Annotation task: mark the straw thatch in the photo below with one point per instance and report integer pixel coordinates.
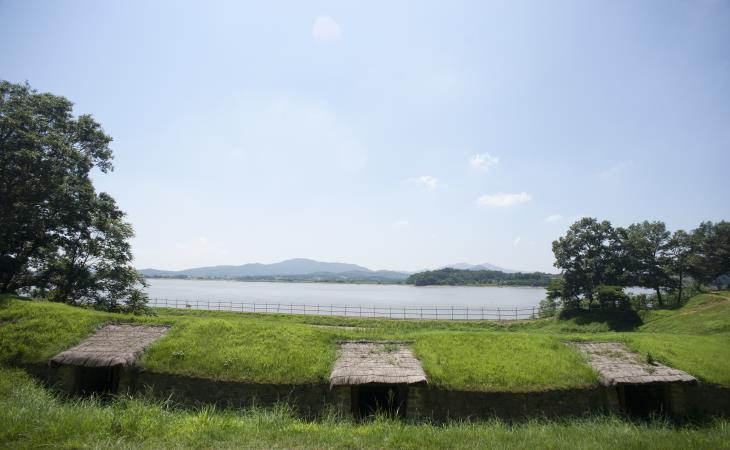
(616, 365)
(376, 362)
(113, 345)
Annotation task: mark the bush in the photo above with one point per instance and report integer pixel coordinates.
(611, 296)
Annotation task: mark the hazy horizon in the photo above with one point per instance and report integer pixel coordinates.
(344, 262)
(387, 135)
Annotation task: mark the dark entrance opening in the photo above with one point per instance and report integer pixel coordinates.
(371, 399)
(645, 400)
(101, 381)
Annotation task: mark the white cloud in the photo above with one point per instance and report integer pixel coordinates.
(516, 241)
(401, 224)
(326, 29)
(500, 199)
(427, 181)
(483, 161)
(554, 218)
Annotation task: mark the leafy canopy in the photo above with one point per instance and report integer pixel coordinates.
(57, 234)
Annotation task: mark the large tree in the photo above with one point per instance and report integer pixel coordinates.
(50, 215)
(711, 251)
(590, 254)
(679, 254)
(647, 245)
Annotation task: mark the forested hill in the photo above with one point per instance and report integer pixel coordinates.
(457, 277)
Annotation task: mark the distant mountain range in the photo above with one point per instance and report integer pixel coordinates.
(289, 270)
(484, 266)
(301, 269)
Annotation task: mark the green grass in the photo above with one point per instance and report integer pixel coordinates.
(489, 361)
(255, 350)
(704, 314)
(705, 357)
(32, 417)
(486, 356)
(35, 331)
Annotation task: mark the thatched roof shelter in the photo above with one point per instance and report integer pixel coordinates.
(112, 345)
(617, 365)
(361, 362)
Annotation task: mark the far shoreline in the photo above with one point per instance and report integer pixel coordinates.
(329, 282)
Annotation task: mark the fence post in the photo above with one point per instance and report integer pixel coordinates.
(452, 312)
(390, 312)
(515, 313)
(421, 312)
(499, 314)
(482, 313)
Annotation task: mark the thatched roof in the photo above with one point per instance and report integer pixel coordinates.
(616, 365)
(361, 362)
(113, 345)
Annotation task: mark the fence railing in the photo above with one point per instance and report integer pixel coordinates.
(383, 312)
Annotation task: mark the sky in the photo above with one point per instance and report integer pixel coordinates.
(395, 135)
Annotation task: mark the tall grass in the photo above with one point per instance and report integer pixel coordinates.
(31, 417)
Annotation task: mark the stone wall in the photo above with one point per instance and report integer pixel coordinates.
(439, 404)
(424, 402)
(308, 400)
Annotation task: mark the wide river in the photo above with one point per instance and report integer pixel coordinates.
(340, 295)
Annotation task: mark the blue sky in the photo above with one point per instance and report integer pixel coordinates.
(399, 135)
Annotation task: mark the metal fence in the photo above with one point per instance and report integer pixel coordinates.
(385, 312)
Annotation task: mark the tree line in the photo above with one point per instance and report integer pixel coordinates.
(598, 260)
(458, 277)
(59, 238)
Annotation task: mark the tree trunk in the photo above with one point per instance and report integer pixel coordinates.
(658, 296)
(680, 289)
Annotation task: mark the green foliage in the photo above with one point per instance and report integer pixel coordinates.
(57, 235)
(710, 258)
(590, 254)
(645, 254)
(611, 296)
(548, 307)
(458, 277)
(647, 247)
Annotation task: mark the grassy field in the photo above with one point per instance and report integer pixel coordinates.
(486, 356)
(32, 417)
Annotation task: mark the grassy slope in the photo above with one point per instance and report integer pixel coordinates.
(253, 350)
(488, 361)
(32, 417)
(520, 356)
(704, 314)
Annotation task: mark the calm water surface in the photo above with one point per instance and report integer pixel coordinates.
(345, 294)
